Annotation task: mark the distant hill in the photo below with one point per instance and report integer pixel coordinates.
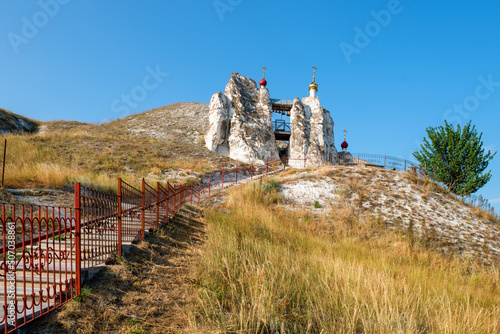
(182, 123)
(160, 144)
(13, 123)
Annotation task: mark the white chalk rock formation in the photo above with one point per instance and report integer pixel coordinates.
(322, 143)
(311, 134)
(241, 122)
(300, 132)
(252, 136)
(220, 113)
(241, 126)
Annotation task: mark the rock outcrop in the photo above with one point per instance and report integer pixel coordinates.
(322, 142)
(346, 158)
(311, 133)
(241, 126)
(13, 123)
(249, 136)
(300, 132)
(220, 113)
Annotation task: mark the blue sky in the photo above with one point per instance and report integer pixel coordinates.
(386, 69)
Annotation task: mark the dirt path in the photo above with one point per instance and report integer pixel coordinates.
(144, 292)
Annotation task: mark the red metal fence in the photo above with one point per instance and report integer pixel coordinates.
(38, 262)
(46, 252)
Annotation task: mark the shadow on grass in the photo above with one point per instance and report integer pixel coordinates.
(144, 291)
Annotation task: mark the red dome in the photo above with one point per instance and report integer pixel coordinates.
(263, 82)
(344, 145)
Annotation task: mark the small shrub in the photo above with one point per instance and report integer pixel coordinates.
(86, 291)
(317, 205)
(272, 184)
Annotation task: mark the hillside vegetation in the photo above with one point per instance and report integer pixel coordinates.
(403, 202)
(153, 144)
(267, 268)
(327, 250)
(259, 263)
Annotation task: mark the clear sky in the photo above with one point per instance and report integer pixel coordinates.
(387, 69)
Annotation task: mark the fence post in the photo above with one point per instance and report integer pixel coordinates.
(305, 162)
(267, 165)
(3, 163)
(251, 171)
(209, 184)
(78, 241)
(385, 160)
(175, 201)
(284, 159)
(222, 187)
(199, 192)
(168, 198)
(143, 214)
(119, 217)
(183, 196)
(157, 204)
(236, 173)
(184, 193)
(191, 203)
(179, 193)
(405, 166)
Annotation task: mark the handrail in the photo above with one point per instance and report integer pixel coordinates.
(99, 225)
(281, 125)
(380, 160)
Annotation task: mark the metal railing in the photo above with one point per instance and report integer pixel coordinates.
(380, 161)
(38, 262)
(46, 251)
(281, 125)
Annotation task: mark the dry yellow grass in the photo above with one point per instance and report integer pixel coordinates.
(266, 270)
(87, 153)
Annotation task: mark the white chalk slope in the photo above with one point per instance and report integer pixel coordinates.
(398, 199)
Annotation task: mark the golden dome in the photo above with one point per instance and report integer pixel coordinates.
(314, 86)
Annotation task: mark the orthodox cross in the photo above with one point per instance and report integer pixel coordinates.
(314, 73)
(264, 71)
(345, 134)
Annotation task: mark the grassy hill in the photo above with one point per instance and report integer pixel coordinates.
(333, 250)
(161, 144)
(263, 261)
(271, 265)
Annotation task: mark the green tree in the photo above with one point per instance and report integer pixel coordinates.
(455, 157)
